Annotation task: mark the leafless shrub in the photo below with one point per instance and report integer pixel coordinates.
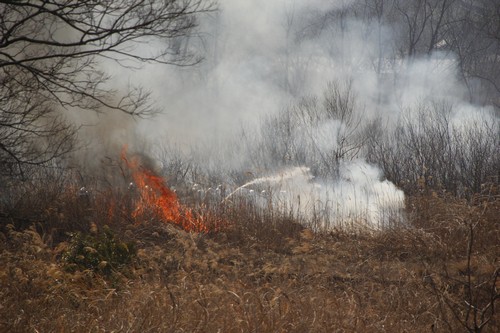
(427, 148)
(319, 133)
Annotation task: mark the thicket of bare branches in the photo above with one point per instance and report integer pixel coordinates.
(467, 29)
(51, 55)
(317, 132)
(428, 148)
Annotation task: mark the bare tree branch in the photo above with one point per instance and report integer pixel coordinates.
(50, 59)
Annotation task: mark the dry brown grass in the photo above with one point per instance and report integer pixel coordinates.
(263, 273)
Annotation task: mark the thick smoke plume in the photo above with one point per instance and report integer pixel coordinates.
(262, 59)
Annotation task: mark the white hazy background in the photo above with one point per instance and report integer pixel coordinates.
(262, 55)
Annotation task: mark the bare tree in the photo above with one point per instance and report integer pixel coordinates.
(317, 132)
(423, 24)
(50, 59)
(475, 37)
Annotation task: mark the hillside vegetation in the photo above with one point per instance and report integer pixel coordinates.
(250, 166)
(80, 262)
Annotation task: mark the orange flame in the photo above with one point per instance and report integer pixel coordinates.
(155, 196)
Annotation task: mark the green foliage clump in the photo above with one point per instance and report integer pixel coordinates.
(102, 252)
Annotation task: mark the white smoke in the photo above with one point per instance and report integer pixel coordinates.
(262, 55)
(359, 198)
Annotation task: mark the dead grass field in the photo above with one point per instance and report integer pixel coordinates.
(260, 273)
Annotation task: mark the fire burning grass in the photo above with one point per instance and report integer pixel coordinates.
(156, 197)
(266, 273)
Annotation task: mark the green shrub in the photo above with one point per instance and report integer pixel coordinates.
(101, 252)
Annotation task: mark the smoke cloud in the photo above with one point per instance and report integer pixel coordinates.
(260, 57)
